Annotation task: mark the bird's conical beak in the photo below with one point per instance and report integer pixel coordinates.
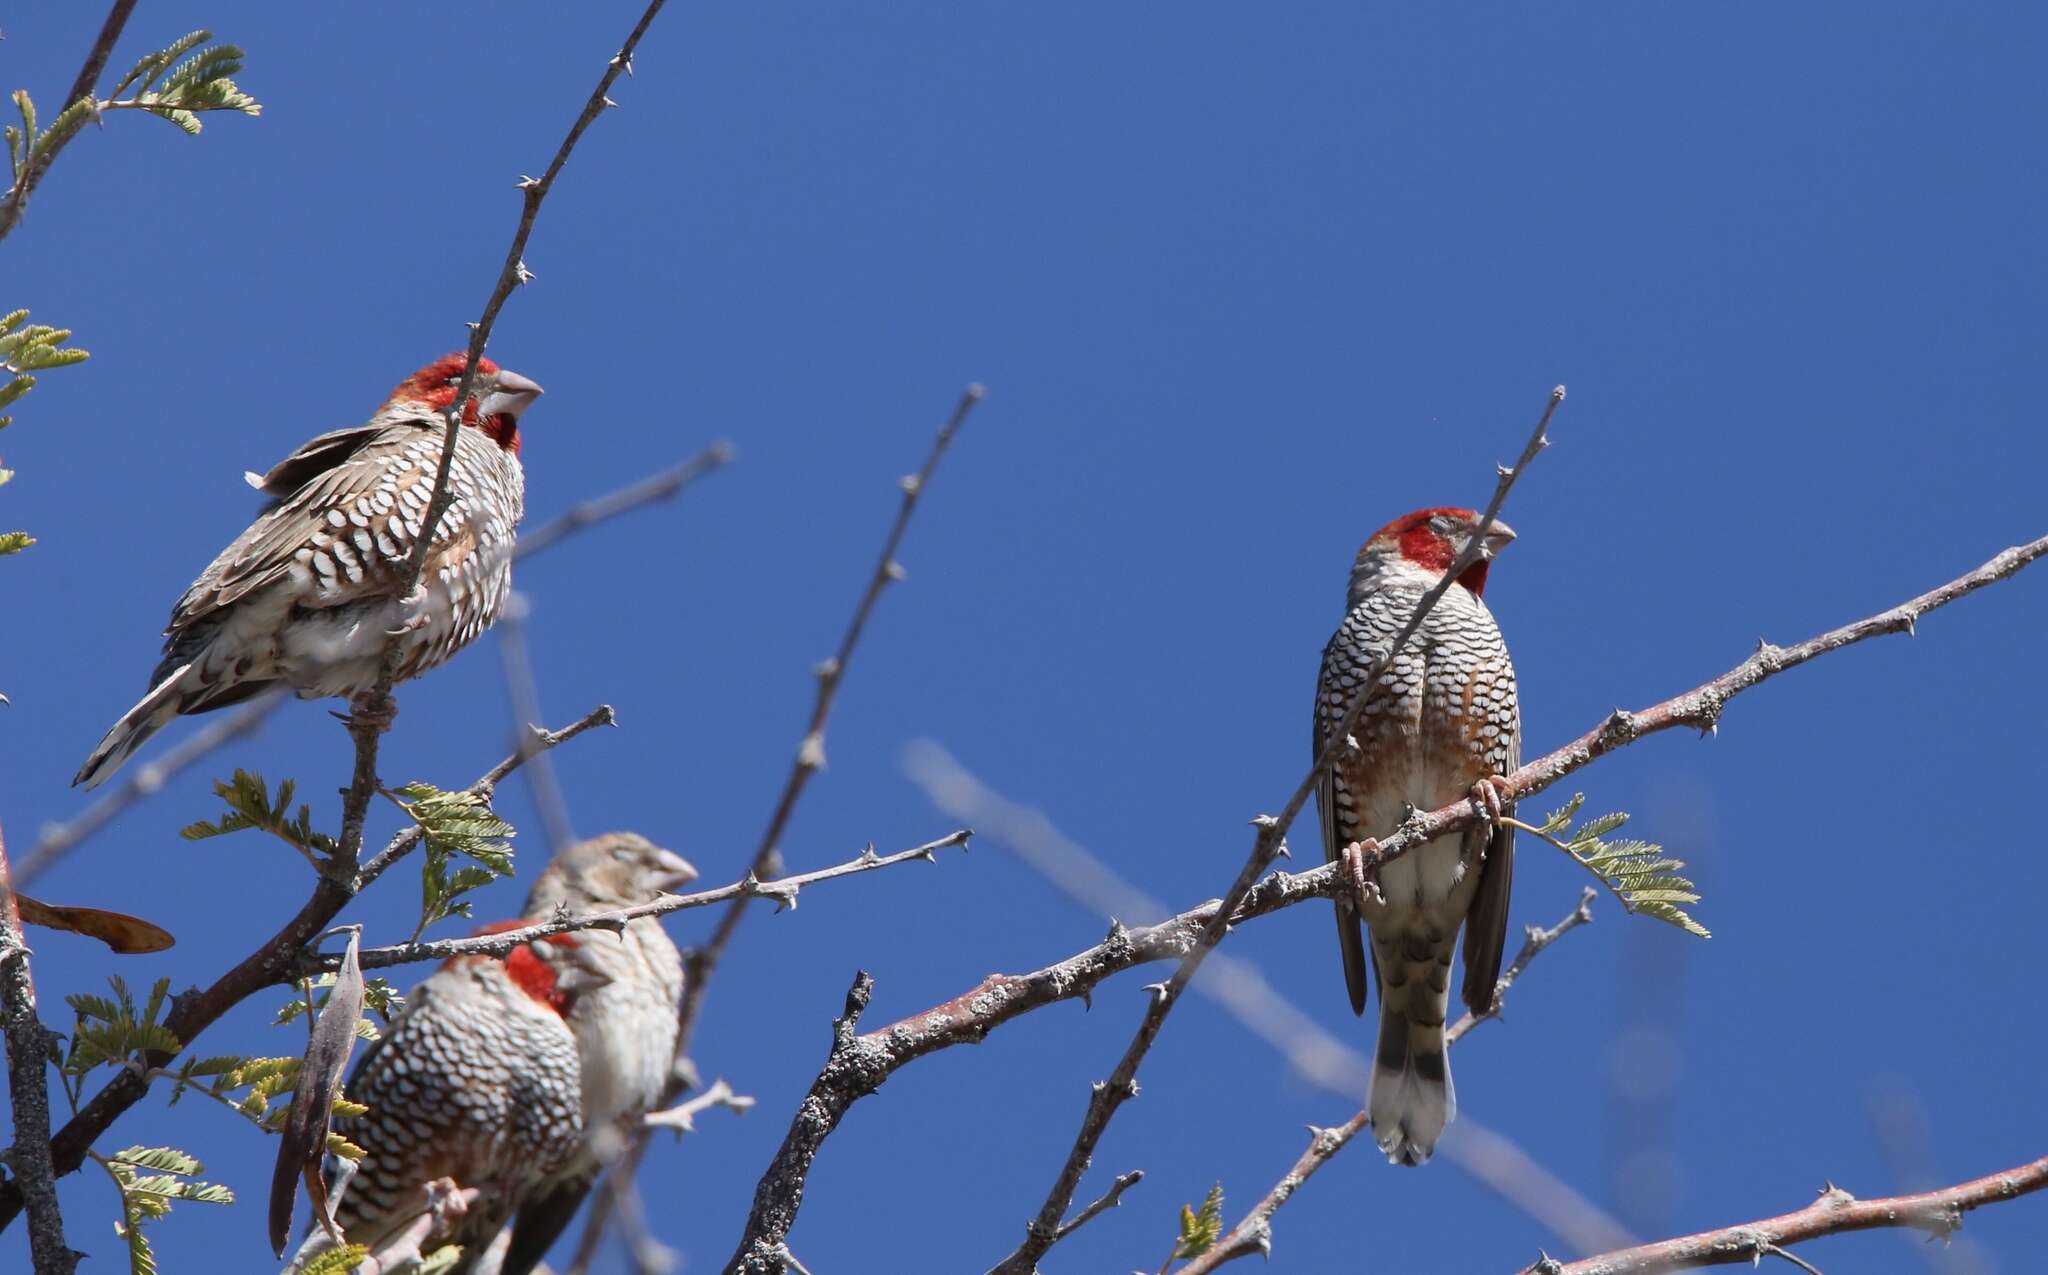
(675, 871)
(513, 395)
(1498, 537)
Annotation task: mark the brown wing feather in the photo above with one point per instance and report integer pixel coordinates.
(263, 554)
(1486, 925)
(315, 457)
(1350, 929)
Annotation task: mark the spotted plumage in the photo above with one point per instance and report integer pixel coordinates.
(1445, 718)
(625, 1029)
(477, 1081)
(312, 592)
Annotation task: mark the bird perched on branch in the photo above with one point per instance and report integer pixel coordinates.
(520, 1077)
(1442, 725)
(625, 1030)
(476, 1082)
(312, 592)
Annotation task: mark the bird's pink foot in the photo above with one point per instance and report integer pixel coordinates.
(1361, 865)
(1492, 795)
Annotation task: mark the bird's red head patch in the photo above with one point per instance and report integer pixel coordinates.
(1431, 539)
(529, 971)
(434, 387)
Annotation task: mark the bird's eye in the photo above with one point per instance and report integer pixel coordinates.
(623, 855)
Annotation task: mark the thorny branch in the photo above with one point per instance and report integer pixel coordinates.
(373, 710)
(702, 961)
(969, 1017)
(1939, 1213)
(810, 753)
(1268, 844)
(1254, 1233)
(274, 962)
(667, 484)
(29, 1045)
(1244, 991)
(783, 890)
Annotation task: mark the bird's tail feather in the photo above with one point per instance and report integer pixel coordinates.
(164, 701)
(1412, 1097)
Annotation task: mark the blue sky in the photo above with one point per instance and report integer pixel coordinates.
(1243, 285)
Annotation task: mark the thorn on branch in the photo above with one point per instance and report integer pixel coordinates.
(811, 753)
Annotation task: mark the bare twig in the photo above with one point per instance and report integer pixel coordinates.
(852, 1070)
(783, 890)
(81, 87)
(1535, 939)
(999, 998)
(665, 485)
(810, 753)
(1109, 1200)
(276, 961)
(683, 1116)
(1254, 1233)
(28, 1088)
(145, 781)
(702, 961)
(1268, 844)
(1242, 989)
(1939, 1213)
(523, 690)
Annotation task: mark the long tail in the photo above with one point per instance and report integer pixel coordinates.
(1412, 1097)
(165, 700)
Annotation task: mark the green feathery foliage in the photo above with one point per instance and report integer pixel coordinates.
(336, 1261)
(1200, 1227)
(247, 1086)
(113, 1032)
(440, 1261)
(150, 1180)
(199, 83)
(454, 823)
(27, 348)
(250, 806)
(1635, 872)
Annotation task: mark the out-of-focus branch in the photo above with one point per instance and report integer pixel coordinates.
(702, 961)
(522, 688)
(1939, 1213)
(1242, 989)
(1268, 844)
(28, 1089)
(665, 485)
(782, 889)
(145, 781)
(1254, 1233)
(275, 961)
(683, 1116)
(999, 998)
